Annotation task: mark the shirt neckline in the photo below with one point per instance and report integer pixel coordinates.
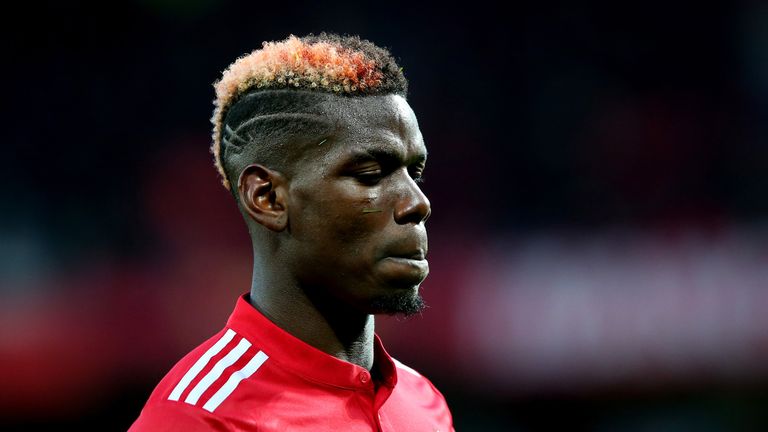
(304, 359)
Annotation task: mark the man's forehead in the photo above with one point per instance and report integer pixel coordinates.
(390, 151)
(372, 111)
(380, 121)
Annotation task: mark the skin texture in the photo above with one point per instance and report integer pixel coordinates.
(344, 229)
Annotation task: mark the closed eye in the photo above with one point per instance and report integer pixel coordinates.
(369, 178)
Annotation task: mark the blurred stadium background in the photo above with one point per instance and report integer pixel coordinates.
(598, 175)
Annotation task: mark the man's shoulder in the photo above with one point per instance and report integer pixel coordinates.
(416, 392)
(191, 394)
(411, 384)
(413, 381)
(228, 383)
(168, 416)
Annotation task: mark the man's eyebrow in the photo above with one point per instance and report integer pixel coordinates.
(385, 155)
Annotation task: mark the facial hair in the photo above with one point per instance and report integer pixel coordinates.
(402, 303)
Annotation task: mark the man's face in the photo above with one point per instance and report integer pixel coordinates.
(355, 211)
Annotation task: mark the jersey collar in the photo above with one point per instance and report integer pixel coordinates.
(304, 359)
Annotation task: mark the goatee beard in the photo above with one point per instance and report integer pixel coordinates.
(403, 303)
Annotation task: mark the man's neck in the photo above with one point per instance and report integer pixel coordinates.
(340, 331)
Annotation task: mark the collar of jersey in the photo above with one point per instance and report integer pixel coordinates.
(304, 359)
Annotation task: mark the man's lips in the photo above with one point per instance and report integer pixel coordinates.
(411, 261)
(403, 263)
(418, 255)
(421, 265)
(407, 258)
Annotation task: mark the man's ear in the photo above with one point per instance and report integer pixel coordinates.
(262, 194)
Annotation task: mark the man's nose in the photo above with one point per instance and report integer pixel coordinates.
(413, 205)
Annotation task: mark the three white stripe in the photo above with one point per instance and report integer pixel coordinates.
(216, 371)
(200, 364)
(234, 380)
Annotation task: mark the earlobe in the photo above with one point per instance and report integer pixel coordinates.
(262, 196)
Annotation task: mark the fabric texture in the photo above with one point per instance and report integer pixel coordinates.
(254, 376)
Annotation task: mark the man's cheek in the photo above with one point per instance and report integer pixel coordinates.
(361, 230)
(358, 230)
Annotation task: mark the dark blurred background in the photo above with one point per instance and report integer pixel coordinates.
(598, 175)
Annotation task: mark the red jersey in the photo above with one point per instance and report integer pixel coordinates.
(254, 376)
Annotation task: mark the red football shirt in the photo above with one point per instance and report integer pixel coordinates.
(254, 376)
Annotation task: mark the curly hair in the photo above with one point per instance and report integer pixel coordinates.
(325, 63)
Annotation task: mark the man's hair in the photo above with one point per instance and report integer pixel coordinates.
(264, 98)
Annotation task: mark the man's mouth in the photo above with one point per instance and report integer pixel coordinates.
(418, 255)
(412, 268)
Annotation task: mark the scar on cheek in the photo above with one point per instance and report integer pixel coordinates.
(369, 205)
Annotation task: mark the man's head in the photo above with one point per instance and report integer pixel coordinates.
(317, 143)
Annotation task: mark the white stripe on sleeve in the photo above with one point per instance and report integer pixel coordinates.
(200, 364)
(218, 369)
(234, 381)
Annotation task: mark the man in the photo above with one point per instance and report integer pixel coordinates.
(323, 155)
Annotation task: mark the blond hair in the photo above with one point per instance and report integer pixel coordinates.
(343, 65)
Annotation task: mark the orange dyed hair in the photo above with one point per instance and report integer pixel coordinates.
(344, 65)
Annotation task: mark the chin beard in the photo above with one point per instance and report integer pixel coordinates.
(405, 303)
